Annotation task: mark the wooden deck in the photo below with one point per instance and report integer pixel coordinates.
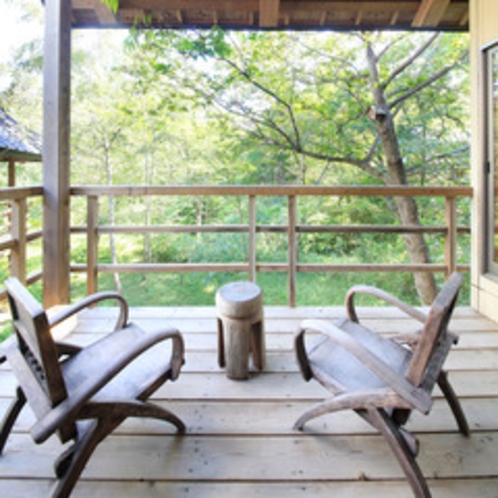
(240, 441)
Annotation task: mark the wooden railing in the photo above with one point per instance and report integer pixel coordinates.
(292, 229)
(14, 243)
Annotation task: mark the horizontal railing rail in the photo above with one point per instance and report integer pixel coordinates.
(292, 229)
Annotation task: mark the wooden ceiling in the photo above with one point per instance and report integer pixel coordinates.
(446, 15)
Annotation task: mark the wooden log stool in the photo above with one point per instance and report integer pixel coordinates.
(239, 308)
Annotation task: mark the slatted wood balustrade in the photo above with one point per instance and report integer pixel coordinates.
(14, 244)
(291, 230)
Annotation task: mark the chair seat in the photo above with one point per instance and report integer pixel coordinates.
(342, 371)
(131, 382)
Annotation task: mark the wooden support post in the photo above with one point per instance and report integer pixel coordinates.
(292, 257)
(451, 235)
(12, 173)
(92, 244)
(18, 228)
(56, 152)
(252, 238)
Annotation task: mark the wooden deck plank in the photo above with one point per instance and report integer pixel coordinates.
(286, 325)
(482, 488)
(277, 386)
(240, 441)
(472, 342)
(213, 384)
(300, 457)
(275, 418)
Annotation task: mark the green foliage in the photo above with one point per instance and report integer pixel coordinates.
(214, 107)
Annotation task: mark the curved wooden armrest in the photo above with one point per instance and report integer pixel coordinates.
(90, 300)
(69, 408)
(416, 396)
(383, 295)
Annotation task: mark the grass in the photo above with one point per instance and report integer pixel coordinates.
(199, 289)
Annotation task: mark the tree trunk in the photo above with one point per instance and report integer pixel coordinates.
(380, 114)
(112, 248)
(148, 181)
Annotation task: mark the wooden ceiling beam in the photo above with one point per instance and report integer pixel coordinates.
(102, 11)
(104, 14)
(394, 18)
(186, 5)
(464, 20)
(373, 6)
(268, 13)
(265, 7)
(359, 17)
(430, 13)
(277, 13)
(260, 5)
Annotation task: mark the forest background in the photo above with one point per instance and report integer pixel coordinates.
(225, 108)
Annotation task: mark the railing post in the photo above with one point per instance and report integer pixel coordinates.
(451, 235)
(11, 182)
(18, 228)
(292, 257)
(252, 238)
(92, 244)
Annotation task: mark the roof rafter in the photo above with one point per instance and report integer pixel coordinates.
(430, 13)
(268, 13)
(103, 12)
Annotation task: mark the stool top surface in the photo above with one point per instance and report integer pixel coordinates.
(239, 291)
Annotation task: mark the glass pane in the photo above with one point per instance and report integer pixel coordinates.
(493, 142)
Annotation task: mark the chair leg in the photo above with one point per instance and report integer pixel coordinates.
(72, 462)
(11, 417)
(343, 401)
(452, 399)
(63, 461)
(315, 411)
(330, 405)
(221, 344)
(382, 422)
(150, 410)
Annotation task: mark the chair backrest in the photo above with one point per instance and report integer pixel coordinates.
(435, 330)
(36, 360)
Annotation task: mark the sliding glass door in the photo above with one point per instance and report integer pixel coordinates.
(492, 155)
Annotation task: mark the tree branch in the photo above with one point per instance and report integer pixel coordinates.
(408, 62)
(271, 94)
(428, 82)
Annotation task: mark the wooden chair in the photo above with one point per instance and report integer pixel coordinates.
(383, 379)
(83, 394)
